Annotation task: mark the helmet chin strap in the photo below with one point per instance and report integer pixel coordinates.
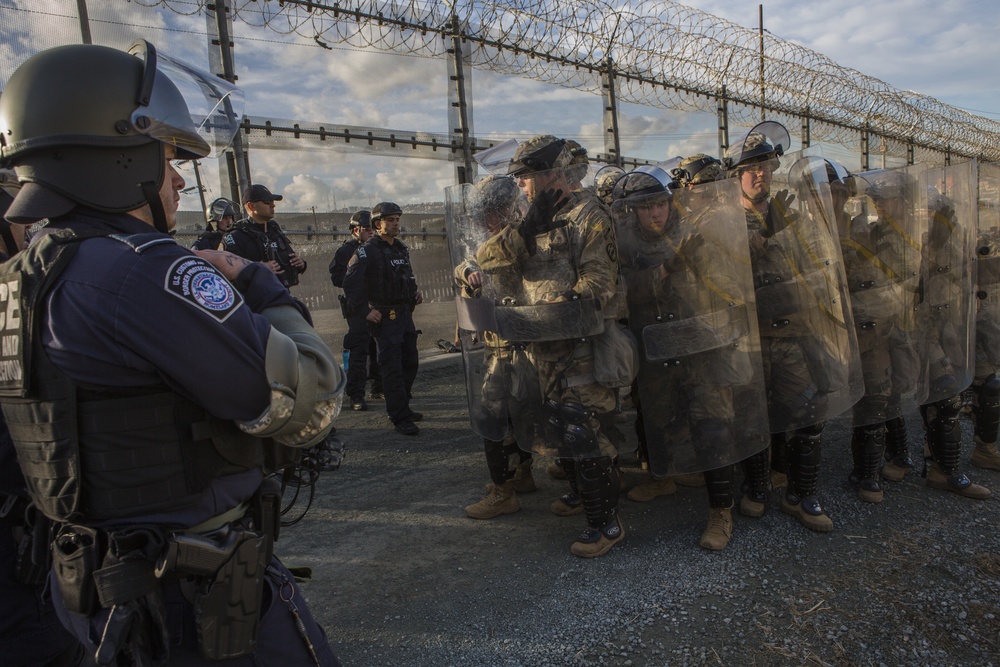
(759, 199)
(152, 194)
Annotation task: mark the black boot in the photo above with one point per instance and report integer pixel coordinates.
(599, 487)
(897, 451)
(868, 447)
(779, 461)
(944, 439)
(755, 485)
(569, 504)
(801, 500)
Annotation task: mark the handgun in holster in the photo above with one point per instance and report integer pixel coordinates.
(230, 563)
(345, 309)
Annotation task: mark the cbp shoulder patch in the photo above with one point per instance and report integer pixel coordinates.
(195, 281)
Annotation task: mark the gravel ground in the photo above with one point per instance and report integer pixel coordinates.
(401, 577)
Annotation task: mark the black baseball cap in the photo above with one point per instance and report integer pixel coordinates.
(258, 192)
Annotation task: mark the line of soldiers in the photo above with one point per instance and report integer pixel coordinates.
(745, 302)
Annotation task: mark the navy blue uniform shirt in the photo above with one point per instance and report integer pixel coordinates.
(119, 318)
(380, 274)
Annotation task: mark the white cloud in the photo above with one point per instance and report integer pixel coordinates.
(944, 50)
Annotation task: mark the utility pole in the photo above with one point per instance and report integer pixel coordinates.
(760, 23)
(234, 166)
(81, 7)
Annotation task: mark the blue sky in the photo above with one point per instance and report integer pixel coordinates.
(946, 50)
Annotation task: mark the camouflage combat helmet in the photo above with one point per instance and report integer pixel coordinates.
(766, 141)
(698, 169)
(604, 181)
(541, 153)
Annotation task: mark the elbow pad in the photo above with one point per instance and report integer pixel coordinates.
(306, 383)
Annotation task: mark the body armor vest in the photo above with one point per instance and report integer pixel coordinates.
(91, 453)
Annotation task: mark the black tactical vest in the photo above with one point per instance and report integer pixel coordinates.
(93, 453)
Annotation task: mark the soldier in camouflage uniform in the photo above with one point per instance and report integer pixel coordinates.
(564, 253)
(946, 286)
(508, 389)
(986, 385)
(811, 366)
(882, 259)
(690, 298)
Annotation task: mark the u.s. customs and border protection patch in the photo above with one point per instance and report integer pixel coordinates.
(193, 280)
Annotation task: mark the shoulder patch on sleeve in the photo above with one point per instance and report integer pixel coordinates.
(228, 239)
(361, 253)
(195, 281)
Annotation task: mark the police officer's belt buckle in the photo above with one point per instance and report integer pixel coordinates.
(392, 313)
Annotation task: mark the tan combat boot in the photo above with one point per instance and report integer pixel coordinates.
(556, 471)
(957, 483)
(985, 455)
(808, 511)
(652, 488)
(719, 529)
(568, 504)
(501, 499)
(596, 542)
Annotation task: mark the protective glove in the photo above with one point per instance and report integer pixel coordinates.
(781, 212)
(540, 218)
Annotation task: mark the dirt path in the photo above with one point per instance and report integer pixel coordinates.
(402, 577)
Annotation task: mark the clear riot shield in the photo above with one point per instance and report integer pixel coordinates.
(691, 307)
(807, 329)
(880, 240)
(988, 273)
(501, 385)
(950, 206)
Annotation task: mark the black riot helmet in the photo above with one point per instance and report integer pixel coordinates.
(219, 209)
(88, 125)
(646, 181)
(383, 209)
(766, 141)
(360, 219)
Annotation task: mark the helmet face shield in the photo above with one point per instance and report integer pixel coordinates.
(192, 110)
(645, 196)
(766, 141)
(497, 158)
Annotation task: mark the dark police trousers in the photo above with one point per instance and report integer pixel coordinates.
(363, 363)
(397, 358)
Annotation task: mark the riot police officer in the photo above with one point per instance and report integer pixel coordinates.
(986, 384)
(380, 283)
(30, 631)
(690, 299)
(810, 352)
(177, 382)
(221, 215)
(504, 398)
(950, 210)
(259, 238)
(563, 258)
(358, 343)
